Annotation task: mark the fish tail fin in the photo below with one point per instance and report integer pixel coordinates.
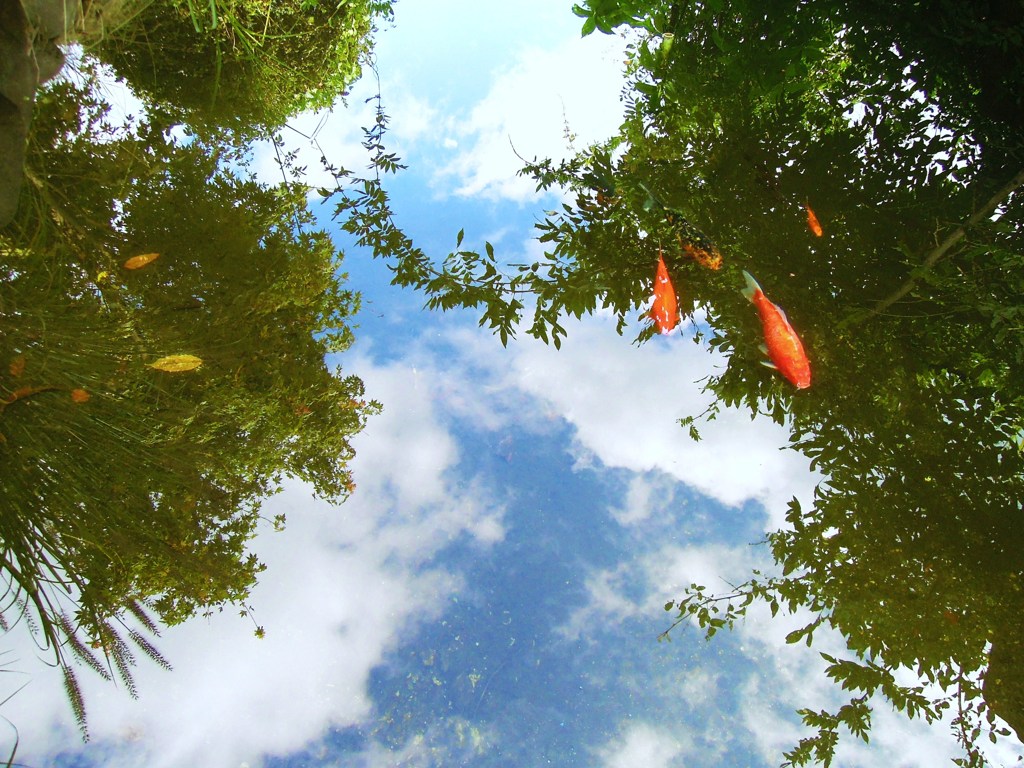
(752, 288)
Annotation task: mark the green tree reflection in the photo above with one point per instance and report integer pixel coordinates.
(248, 65)
(900, 130)
(131, 490)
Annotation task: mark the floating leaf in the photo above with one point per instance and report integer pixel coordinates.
(177, 363)
(17, 366)
(138, 262)
(22, 392)
(104, 275)
(80, 396)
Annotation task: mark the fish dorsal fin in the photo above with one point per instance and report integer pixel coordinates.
(752, 288)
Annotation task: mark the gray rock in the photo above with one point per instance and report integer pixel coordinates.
(30, 31)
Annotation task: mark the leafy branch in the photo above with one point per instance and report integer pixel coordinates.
(601, 252)
(943, 248)
(465, 278)
(866, 676)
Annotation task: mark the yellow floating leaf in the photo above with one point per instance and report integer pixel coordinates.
(138, 262)
(80, 395)
(177, 363)
(17, 366)
(104, 275)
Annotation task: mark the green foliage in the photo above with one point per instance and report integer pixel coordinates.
(128, 489)
(240, 64)
(910, 548)
(606, 15)
(587, 268)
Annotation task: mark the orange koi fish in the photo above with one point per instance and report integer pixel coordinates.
(708, 257)
(782, 345)
(812, 221)
(665, 309)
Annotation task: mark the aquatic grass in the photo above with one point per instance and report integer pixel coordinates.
(17, 737)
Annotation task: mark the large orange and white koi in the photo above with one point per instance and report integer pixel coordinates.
(782, 345)
(665, 309)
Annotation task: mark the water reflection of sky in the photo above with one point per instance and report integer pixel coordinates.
(491, 595)
(508, 675)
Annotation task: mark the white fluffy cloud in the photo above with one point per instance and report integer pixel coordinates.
(644, 745)
(646, 495)
(343, 586)
(509, 96)
(624, 404)
(548, 103)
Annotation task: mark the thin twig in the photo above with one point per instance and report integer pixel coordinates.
(948, 243)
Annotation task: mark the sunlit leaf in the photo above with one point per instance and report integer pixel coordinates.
(138, 262)
(177, 363)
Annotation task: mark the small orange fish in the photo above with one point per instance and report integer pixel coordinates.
(665, 309)
(782, 345)
(812, 221)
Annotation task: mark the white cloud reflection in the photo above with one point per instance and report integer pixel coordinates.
(624, 404)
(534, 108)
(645, 745)
(343, 586)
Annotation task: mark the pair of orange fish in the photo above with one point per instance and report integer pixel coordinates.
(666, 308)
(782, 345)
